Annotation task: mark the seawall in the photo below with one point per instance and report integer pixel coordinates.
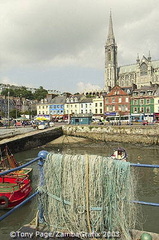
(127, 134)
(31, 139)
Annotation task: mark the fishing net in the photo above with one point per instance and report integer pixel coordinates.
(88, 194)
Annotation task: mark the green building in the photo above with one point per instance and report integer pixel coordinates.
(142, 103)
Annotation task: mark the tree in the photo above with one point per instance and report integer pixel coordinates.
(5, 92)
(40, 93)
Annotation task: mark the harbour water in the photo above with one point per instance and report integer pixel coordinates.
(147, 186)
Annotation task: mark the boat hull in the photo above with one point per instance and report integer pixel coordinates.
(13, 191)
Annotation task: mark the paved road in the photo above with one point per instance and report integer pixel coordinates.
(8, 132)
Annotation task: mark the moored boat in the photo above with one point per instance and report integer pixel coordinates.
(13, 190)
(119, 154)
(8, 161)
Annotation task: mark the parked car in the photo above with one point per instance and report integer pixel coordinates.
(42, 125)
(51, 124)
(145, 122)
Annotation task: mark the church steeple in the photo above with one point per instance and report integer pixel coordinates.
(111, 38)
(110, 58)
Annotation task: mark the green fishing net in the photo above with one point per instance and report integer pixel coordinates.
(88, 194)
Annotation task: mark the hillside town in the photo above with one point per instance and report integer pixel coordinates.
(130, 94)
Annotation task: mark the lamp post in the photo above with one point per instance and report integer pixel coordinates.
(8, 106)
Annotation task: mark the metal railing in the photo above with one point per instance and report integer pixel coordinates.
(41, 157)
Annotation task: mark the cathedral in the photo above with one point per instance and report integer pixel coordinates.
(143, 72)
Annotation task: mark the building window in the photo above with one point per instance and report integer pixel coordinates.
(142, 101)
(148, 110)
(81, 105)
(95, 104)
(106, 100)
(149, 93)
(96, 111)
(100, 104)
(143, 69)
(135, 102)
(113, 100)
(109, 55)
(135, 110)
(86, 105)
(100, 110)
(127, 99)
(148, 101)
(120, 100)
(141, 109)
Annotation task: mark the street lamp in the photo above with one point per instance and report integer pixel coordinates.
(8, 106)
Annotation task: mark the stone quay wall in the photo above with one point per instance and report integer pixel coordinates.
(127, 134)
(31, 139)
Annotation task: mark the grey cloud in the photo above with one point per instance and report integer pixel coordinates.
(45, 33)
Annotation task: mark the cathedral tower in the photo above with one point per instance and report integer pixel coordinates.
(110, 58)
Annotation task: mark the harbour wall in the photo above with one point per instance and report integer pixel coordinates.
(126, 134)
(31, 139)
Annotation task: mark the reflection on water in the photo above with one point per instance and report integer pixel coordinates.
(147, 187)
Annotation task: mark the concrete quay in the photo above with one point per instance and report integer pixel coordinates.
(26, 138)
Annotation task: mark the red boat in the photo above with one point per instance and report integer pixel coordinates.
(13, 190)
(8, 161)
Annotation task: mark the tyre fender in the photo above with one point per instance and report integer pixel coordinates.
(4, 201)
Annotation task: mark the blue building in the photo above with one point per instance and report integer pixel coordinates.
(56, 107)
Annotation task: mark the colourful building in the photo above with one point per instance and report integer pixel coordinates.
(117, 102)
(142, 103)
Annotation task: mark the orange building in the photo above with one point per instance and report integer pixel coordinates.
(117, 102)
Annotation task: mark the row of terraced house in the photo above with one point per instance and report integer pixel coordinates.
(140, 104)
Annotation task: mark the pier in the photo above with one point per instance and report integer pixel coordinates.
(18, 140)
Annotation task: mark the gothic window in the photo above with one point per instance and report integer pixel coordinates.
(109, 55)
(143, 69)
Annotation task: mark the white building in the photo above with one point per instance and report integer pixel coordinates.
(72, 105)
(86, 106)
(98, 106)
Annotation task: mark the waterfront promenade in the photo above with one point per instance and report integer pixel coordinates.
(10, 132)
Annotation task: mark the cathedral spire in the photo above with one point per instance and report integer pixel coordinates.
(110, 58)
(111, 38)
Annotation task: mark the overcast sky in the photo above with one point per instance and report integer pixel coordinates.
(59, 44)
